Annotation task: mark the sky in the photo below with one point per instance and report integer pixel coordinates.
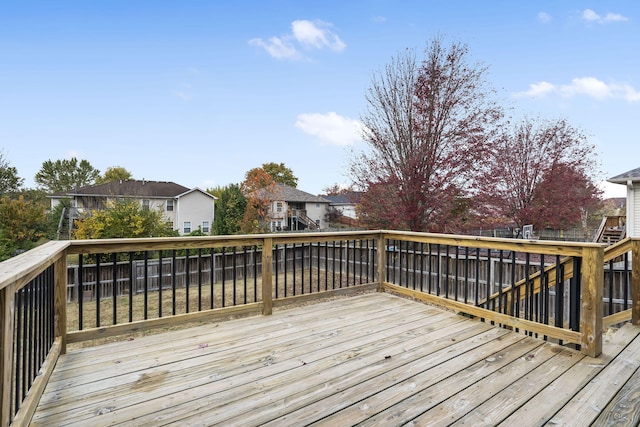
(200, 92)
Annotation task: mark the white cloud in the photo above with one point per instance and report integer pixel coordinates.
(330, 128)
(379, 19)
(305, 35)
(587, 86)
(316, 35)
(544, 17)
(277, 47)
(536, 90)
(591, 16)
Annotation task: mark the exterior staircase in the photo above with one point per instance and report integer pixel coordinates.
(612, 230)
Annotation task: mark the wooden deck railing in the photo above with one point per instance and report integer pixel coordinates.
(65, 292)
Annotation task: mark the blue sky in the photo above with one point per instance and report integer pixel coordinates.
(199, 92)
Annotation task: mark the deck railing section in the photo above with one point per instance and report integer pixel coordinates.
(541, 288)
(31, 316)
(79, 290)
(132, 284)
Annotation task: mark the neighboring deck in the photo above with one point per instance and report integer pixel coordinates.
(374, 359)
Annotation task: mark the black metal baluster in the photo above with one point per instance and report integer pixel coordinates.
(114, 290)
(131, 279)
(174, 268)
(199, 267)
(97, 288)
(446, 272)
(224, 275)
(466, 274)
(160, 283)
(302, 268)
(234, 275)
(145, 283)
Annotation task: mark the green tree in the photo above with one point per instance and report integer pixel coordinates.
(10, 182)
(65, 175)
(22, 224)
(125, 218)
(229, 210)
(280, 174)
(114, 173)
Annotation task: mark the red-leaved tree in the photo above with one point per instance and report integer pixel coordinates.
(428, 126)
(541, 173)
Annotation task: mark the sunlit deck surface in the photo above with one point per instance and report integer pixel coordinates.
(374, 359)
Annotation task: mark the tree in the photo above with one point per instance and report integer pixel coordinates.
(280, 174)
(22, 224)
(229, 211)
(540, 173)
(427, 128)
(256, 179)
(10, 182)
(565, 198)
(125, 218)
(114, 173)
(65, 175)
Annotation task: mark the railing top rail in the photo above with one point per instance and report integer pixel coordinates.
(158, 243)
(23, 268)
(496, 243)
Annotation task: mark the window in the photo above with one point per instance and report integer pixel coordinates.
(169, 205)
(205, 226)
(145, 204)
(169, 224)
(187, 227)
(278, 206)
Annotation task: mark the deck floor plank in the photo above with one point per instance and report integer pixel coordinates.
(374, 359)
(542, 407)
(112, 390)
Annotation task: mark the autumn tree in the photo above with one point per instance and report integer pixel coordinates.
(22, 224)
(229, 210)
(427, 127)
(541, 173)
(10, 182)
(255, 179)
(256, 187)
(65, 175)
(125, 218)
(114, 173)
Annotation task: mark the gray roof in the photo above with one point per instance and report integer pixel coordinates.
(290, 194)
(129, 188)
(350, 198)
(632, 175)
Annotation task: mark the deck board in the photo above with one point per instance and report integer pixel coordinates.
(374, 359)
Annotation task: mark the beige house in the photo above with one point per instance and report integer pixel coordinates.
(293, 209)
(632, 180)
(185, 209)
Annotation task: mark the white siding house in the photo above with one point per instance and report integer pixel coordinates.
(185, 209)
(631, 180)
(293, 209)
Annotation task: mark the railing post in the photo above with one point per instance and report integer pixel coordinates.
(592, 289)
(7, 304)
(381, 261)
(60, 301)
(635, 282)
(267, 281)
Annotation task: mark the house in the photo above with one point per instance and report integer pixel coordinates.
(632, 180)
(184, 209)
(345, 203)
(293, 209)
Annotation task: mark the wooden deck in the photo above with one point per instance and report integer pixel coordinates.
(374, 359)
